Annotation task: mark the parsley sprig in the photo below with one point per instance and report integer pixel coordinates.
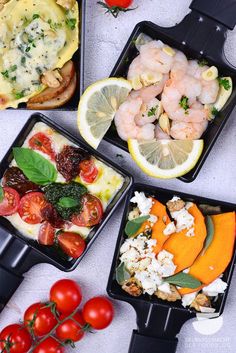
(184, 103)
(224, 82)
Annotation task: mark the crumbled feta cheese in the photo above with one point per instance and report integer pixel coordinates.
(144, 263)
(187, 299)
(169, 229)
(183, 219)
(175, 198)
(165, 288)
(186, 270)
(144, 203)
(190, 232)
(149, 284)
(124, 247)
(153, 219)
(188, 205)
(167, 266)
(132, 266)
(214, 288)
(165, 255)
(130, 255)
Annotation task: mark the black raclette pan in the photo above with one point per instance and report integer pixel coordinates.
(158, 321)
(18, 253)
(201, 34)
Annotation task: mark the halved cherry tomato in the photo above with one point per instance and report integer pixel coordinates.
(66, 294)
(15, 339)
(40, 319)
(88, 171)
(49, 345)
(71, 329)
(41, 142)
(98, 312)
(10, 202)
(72, 244)
(119, 3)
(46, 234)
(30, 207)
(92, 212)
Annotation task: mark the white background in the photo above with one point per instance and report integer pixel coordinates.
(105, 38)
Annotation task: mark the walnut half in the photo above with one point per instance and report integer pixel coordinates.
(174, 206)
(170, 297)
(201, 300)
(133, 287)
(51, 79)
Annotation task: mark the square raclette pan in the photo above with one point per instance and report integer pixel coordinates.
(160, 321)
(78, 59)
(201, 34)
(18, 253)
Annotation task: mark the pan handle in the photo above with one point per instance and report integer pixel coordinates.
(223, 12)
(9, 282)
(141, 344)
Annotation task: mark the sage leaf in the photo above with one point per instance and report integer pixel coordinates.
(183, 280)
(122, 274)
(37, 168)
(133, 226)
(210, 233)
(1, 193)
(68, 202)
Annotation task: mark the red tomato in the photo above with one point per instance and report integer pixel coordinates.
(41, 142)
(46, 234)
(88, 171)
(42, 318)
(71, 329)
(72, 244)
(119, 3)
(30, 207)
(98, 312)
(67, 295)
(92, 212)
(49, 345)
(15, 339)
(10, 202)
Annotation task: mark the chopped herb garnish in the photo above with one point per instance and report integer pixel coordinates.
(27, 49)
(54, 25)
(152, 112)
(5, 74)
(13, 68)
(19, 95)
(202, 62)
(224, 82)
(214, 111)
(39, 70)
(35, 16)
(23, 60)
(184, 103)
(71, 23)
(13, 79)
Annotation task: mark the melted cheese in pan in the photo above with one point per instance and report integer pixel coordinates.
(105, 187)
(35, 36)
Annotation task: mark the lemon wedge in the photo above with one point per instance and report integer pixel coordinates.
(165, 159)
(98, 106)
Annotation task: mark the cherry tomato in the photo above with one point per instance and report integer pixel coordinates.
(119, 3)
(42, 318)
(30, 207)
(46, 234)
(92, 212)
(72, 244)
(10, 202)
(98, 312)
(88, 171)
(67, 295)
(18, 338)
(41, 142)
(71, 329)
(49, 345)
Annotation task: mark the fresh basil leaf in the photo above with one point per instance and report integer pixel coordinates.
(68, 202)
(183, 280)
(210, 233)
(1, 193)
(133, 226)
(122, 274)
(37, 168)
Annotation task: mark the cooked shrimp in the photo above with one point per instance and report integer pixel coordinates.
(180, 66)
(187, 131)
(149, 112)
(125, 121)
(188, 89)
(160, 134)
(148, 93)
(210, 89)
(153, 57)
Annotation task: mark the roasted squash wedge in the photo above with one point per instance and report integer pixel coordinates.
(186, 248)
(210, 264)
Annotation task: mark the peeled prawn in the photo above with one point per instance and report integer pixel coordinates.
(180, 66)
(187, 131)
(148, 93)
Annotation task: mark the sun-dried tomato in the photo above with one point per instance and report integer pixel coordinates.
(50, 214)
(15, 178)
(68, 161)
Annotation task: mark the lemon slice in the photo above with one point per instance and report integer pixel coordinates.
(165, 159)
(98, 106)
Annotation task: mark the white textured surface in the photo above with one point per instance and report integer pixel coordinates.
(106, 37)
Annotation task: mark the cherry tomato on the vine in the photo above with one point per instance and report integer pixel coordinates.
(15, 339)
(119, 3)
(49, 345)
(67, 295)
(98, 312)
(39, 319)
(71, 329)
